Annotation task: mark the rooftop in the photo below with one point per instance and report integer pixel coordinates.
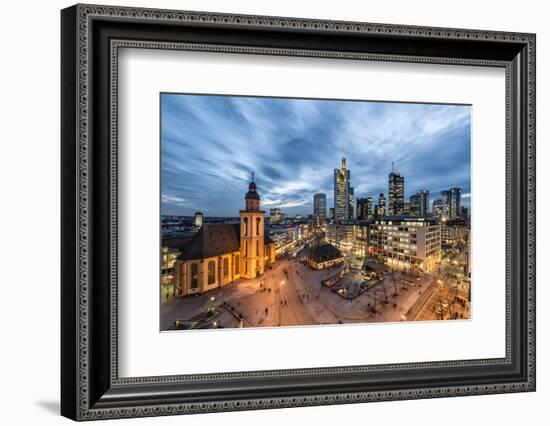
(406, 219)
(210, 241)
(324, 253)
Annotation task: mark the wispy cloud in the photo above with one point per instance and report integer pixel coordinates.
(173, 200)
(210, 144)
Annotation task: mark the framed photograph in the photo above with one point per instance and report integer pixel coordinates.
(263, 212)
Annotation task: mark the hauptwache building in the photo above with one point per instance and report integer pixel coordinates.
(222, 253)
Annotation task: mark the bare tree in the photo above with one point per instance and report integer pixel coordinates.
(385, 283)
(396, 279)
(374, 304)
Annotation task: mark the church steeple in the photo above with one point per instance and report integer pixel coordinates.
(252, 198)
(252, 234)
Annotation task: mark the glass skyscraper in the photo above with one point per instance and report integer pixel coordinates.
(381, 209)
(320, 206)
(420, 203)
(396, 194)
(454, 203)
(344, 199)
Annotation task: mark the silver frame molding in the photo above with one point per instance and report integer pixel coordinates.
(91, 39)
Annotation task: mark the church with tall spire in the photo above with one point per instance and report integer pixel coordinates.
(222, 253)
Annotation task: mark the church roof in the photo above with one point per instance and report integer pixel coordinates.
(212, 240)
(176, 242)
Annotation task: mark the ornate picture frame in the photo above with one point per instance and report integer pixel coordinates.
(91, 37)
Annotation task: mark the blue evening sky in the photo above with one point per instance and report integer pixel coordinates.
(210, 144)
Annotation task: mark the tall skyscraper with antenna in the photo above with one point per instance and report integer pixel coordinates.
(344, 199)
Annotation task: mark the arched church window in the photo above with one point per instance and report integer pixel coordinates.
(225, 266)
(258, 220)
(194, 275)
(245, 222)
(211, 272)
(257, 248)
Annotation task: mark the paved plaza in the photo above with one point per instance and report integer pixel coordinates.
(291, 293)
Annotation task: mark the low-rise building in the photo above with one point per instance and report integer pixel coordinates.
(324, 256)
(342, 236)
(349, 238)
(453, 231)
(288, 237)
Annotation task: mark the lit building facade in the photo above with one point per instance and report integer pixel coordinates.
(198, 220)
(275, 215)
(406, 242)
(438, 208)
(343, 194)
(320, 207)
(454, 231)
(419, 203)
(454, 203)
(288, 237)
(364, 208)
(349, 238)
(448, 205)
(169, 256)
(446, 200)
(396, 194)
(381, 205)
(342, 236)
(369, 208)
(351, 204)
(361, 240)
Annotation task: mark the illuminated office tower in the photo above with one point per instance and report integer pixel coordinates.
(396, 193)
(419, 203)
(320, 207)
(381, 209)
(343, 194)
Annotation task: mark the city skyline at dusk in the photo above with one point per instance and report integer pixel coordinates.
(210, 144)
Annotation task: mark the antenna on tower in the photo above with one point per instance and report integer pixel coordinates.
(392, 167)
(252, 173)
